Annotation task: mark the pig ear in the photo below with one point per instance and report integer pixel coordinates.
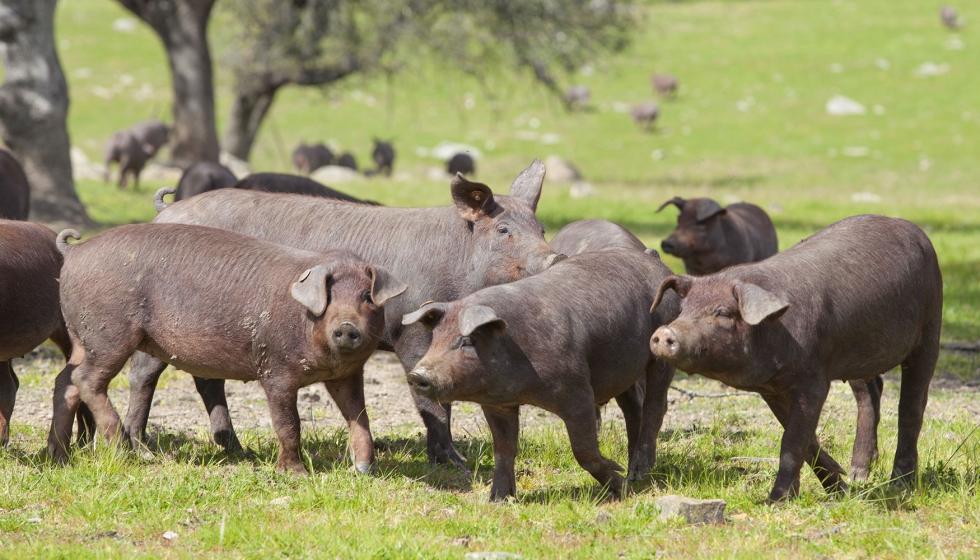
(429, 315)
(527, 185)
(756, 304)
(472, 199)
(680, 284)
(311, 288)
(676, 201)
(384, 286)
(707, 208)
(476, 316)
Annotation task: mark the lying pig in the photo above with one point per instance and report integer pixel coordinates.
(709, 238)
(222, 305)
(575, 335)
(202, 177)
(852, 301)
(15, 191)
(29, 309)
(443, 252)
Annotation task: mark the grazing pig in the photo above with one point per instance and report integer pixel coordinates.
(347, 160)
(384, 156)
(709, 238)
(123, 148)
(644, 114)
(664, 84)
(949, 18)
(461, 163)
(222, 305)
(307, 159)
(565, 340)
(15, 191)
(151, 135)
(29, 309)
(577, 97)
(852, 301)
(202, 177)
(444, 253)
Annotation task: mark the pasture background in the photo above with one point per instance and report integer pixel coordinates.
(748, 124)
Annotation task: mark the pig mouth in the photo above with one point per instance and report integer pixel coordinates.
(421, 382)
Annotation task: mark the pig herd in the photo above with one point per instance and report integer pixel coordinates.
(262, 284)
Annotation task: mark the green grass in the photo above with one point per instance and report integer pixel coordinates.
(748, 124)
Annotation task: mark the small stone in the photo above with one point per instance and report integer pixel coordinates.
(692, 510)
(283, 501)
(490, 556)
(34, 520)
(170, 536)
(561, 170)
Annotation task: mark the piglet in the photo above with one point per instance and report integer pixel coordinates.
(223, 305)
(850, 302)
(572, 336)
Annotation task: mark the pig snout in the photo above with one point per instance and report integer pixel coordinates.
(347, 337)
(669, 246)
(420, 379)
(664, 343)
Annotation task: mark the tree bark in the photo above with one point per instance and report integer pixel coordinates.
(34, 110)
(182, 27)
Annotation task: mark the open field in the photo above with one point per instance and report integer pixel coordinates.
(749, 124)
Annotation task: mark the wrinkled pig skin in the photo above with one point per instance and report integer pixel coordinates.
(443, 253)
(851, 302)
(575, 335)
(222, 305)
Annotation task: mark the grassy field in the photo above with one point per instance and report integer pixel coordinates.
(748, 124)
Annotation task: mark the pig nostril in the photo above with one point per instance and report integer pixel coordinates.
(347, 334)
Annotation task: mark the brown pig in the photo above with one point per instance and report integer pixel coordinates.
(709, 238)
(850, 302)
(220, 304)
(563, 340)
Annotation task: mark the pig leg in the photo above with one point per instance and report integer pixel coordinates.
(144, 373)
(123, 170)
(505, 428)
(349, 396)
(867, 393)
(917, 372)
(91, 376)
(579, 418)
(439, 438)
(285, 421)
(84, 417)
(212, 392)
(8, 394)
(631, 403)
(658, 378)
(66, 402)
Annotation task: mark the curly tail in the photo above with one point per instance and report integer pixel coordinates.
(158, 198)
(63, 239)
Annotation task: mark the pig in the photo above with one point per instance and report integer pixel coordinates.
(29, 311)
(709, 238)
(125, 149)
(307, 159)
(151, 135)
(222, 305)
(384, 157)
(947, 14)
(15, 191)
(202, 177)
(564, 340)
(577, 97)
(443, 252)
(294, 184)
(664, 84)
(586, 236)
(461, 163)
(644, 114)
(347, 160)
(852, 301)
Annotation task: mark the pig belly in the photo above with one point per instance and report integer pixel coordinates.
(204, 360)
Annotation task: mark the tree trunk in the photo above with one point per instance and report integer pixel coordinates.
(247, 113)
(34, 110)
(182, 27)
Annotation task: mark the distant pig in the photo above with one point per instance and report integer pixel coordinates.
(644, 114)
(852, 301)
(151, 135)
(709, 238)
(461, 163)
(564, 340)
(15, 191)
(223, 305)
(384, 156)
(202, 177)
(124, 148)
(307, 159)
(664, 84)
(347, 160)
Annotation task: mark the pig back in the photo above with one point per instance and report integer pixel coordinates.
(594, 235)
(29, 269)
(756, 231)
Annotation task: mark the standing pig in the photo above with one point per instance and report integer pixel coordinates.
(571, 337)
(709, 238)
(29, 309)
(444, 253)
(125, 149)
(202, 177)
(664, 84)
(221, 305)
(461, 163)
(644, 114)
(384, 156)
(15, 191)
(852, 301)
(151, 135)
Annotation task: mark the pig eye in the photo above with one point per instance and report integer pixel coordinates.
(723, 313)
(502, 230)
(366, 296)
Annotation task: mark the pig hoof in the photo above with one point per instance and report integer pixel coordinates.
(859, 474)
(447, 457)
(363, 467)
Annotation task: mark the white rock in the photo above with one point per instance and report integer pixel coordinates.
(283, 501)
(581, 189)
(156, 172)
(445, 150)
(82, 168)
(170, 536)
(855, 151)
(559, 170)
(927, 69)
(865, 197)
(840, 106)
(125, 25)
(692, 510)
(330, 174)
(239, 168)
